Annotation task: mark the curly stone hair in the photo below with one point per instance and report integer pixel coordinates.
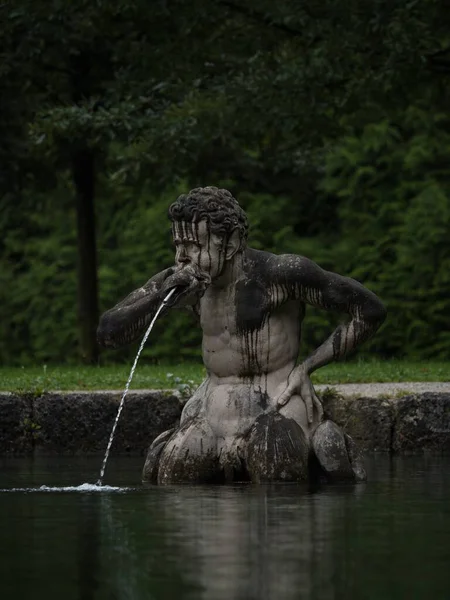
(217, 206)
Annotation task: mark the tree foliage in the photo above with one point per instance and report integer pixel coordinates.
(328, 120)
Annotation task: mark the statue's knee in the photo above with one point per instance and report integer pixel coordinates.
(331, 453)
(276, 450)
(190, 455)
(150, 470)
(191, 409)
(356, 459)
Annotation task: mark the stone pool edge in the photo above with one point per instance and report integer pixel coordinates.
(79, 422)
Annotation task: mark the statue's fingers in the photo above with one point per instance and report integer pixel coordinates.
(205, 278)
(319, 408)
(309, 406)
(284, 397)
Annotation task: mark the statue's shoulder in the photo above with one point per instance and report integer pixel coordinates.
(258, 264)
(273, 266)
(258, 258)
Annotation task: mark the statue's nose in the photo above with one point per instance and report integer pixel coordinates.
(182, 256)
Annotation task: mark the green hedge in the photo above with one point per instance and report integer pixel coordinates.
(387, 184)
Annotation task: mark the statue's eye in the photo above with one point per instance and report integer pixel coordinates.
(191, 246)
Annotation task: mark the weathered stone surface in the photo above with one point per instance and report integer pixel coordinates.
(412, 423)
(16, 425)
(331, 452)
(356, 458)
(391, 389)
(422, 423)
(336, 407)
(81, 422)
(277, 450)
(151, 466)
(369, 421)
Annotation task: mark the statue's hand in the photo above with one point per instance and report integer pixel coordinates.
(299, 383)
(189, 280)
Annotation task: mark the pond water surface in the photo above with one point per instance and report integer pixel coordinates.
(387, 539)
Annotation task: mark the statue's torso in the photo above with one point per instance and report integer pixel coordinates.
(247, 368)
(236, 351)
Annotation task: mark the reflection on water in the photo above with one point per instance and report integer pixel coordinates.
(386, 539)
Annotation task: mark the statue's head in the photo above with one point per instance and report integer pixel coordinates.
(209, 228)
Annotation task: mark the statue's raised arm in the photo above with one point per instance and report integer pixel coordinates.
(128, 320)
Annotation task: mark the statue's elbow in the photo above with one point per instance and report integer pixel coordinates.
(381, 313)
(107, 331)
(377, 314)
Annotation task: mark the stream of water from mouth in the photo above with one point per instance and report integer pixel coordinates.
(127, 386)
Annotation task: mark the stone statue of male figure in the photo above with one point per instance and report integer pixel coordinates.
(256, 416)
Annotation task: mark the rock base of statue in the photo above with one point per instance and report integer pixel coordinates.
(275, 449)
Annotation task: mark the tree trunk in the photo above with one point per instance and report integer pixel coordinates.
(83, 171)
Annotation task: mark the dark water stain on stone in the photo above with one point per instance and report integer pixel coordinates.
(251, 305)
(264, 399)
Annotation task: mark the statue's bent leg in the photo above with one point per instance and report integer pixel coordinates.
(190, 455)
(336, 453)
(150, 470)
(276, 450)
(356, 459)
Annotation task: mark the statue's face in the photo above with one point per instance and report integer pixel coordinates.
(195, 244)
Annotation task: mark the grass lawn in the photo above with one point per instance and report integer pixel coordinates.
(40, 379)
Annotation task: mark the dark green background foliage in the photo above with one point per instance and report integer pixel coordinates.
(328, 120)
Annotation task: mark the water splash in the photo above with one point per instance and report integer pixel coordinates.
(84, 487)
(133, 368)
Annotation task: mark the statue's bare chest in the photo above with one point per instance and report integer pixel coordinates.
(240, 308)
